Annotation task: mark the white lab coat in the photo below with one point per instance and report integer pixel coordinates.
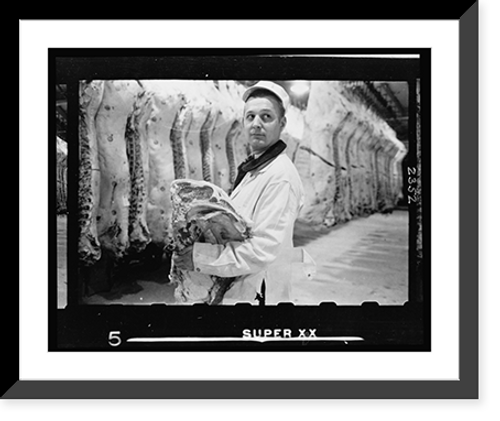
(270, 197)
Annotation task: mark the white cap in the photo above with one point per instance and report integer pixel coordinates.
(272, 87)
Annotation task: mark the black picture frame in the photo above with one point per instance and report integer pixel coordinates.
(464, 388)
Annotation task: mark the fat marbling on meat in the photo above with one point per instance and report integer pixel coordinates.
(89, 247)
(202, 212)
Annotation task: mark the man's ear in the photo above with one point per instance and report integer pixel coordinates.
(283, 123)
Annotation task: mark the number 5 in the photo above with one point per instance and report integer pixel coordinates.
(114, 338)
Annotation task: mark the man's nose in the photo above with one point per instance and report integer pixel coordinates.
(256, 122)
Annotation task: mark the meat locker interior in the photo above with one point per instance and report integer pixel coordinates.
(349, 140)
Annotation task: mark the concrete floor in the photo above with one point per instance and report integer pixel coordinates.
(365, 259)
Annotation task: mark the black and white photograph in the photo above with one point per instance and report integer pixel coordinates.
(293, 187)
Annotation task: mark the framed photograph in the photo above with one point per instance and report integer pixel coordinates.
(125, 123)
(343, 150)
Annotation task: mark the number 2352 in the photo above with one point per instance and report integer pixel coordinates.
(412, 183)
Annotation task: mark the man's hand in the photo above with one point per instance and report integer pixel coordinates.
(183, 259)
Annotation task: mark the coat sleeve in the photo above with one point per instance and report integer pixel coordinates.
(276, 210)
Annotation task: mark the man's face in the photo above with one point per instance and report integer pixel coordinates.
(262, 123)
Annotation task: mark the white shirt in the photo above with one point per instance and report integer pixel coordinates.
(271, 197)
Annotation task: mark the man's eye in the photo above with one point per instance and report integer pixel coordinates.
(250, 117)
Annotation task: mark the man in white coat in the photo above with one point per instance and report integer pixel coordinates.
(268, 191)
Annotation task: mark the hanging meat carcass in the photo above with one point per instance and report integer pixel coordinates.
(89, 246)
(328, 118)
(117, 105)
(62, 179)
(163, 151)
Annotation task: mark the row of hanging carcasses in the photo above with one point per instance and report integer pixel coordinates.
(136, 137)
(61, 176)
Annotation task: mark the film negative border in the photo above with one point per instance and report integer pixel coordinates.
(110, 327)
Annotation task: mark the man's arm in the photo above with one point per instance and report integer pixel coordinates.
(183, 259)
(276, 209)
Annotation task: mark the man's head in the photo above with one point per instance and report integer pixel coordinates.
(264, 114)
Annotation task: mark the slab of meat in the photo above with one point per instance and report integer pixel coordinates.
(62, 176)
(328, 122)
(293, 132)
(234, 141)
(197, 134)
(111, 122)
(163, 147)
(178, 133)
(356, 165)
(206, 149)
(202, 212)
(220, 145)
(89, 248)
(138, 159)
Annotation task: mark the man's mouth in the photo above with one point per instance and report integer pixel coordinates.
(257, 134)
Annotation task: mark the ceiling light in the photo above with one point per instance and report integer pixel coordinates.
(300, 87)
